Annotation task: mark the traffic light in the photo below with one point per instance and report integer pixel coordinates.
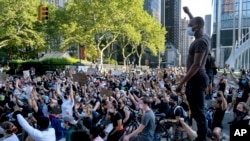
(43, 12)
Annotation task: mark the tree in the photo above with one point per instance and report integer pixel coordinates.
(17, 26)
(153, 36)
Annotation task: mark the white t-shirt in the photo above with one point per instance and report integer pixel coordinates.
(67, 107)
(13, 137)
(37, 135)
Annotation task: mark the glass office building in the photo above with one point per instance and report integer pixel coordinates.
(153, 7)
(231, 21)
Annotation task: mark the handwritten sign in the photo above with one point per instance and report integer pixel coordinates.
(3, 76)
(81, 78)
(26, 74)
(106, 92)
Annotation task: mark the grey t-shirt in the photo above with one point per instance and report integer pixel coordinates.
(199, 45)
(148, 120)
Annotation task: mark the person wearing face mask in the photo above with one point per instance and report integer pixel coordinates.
(116, 119)
(242, 115)
(177, 112)
(196, 79)
(217, 112)
(242, 92)
(123, 109)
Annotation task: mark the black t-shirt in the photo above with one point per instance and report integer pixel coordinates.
(184, 106)
(115, 118)
(218, 116)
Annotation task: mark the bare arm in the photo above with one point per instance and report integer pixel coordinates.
(186, 10)
(198, 57)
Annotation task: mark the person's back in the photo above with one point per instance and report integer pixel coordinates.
(43, 133)
(148, 120)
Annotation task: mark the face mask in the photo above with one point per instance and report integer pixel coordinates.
(118, 96)
(243, 82)
(240, 115)
(82, 114)
(111, 111)
(190, 32)
(2, 97)
(141, 106)
(62, 125)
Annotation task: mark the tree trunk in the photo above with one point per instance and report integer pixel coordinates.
(139, 60)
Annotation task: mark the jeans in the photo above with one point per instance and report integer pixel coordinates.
(195, 91)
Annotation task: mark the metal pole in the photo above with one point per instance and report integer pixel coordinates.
(218, 34)
(239, 24)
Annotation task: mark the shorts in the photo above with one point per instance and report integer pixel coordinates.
(211, 78)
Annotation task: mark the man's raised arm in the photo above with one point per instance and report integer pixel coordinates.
(186, 10)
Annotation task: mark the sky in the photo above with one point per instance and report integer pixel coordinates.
(197, 7)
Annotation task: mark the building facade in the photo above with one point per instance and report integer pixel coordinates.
(153, 7)
(184, 42)
(208, 25)
(172, 21)
(231, 21)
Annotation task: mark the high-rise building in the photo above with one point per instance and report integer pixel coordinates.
(172, 21)
(185, 41)
(153, 7)
(208, 23)
(231, 21)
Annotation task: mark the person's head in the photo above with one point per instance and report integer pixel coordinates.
(94, 132)
(66, 95)
(195, 26)
(146, 102)
(173, 100)
(68, 121)
(113, 109)
(43, 123)
(242, 109)
(80, 135)
(122, 102)
(9, 128)
(216, 102)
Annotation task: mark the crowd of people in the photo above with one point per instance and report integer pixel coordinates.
(101, 106)
(30, 106)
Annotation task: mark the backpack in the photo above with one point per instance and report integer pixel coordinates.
(184, 113)
(210, 64)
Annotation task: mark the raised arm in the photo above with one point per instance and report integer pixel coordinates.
(186, 10)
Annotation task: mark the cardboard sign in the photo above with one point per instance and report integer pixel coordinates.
(26, 74)
(38, 79)
(81, 78)
(116, 72)
(160, 75)
(147, 85)
(106, 92)
(3, 76)
(91, 71)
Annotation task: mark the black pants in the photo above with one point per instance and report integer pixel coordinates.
(195, 91)
(116, 136)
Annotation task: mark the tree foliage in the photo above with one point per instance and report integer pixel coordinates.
(94, 24)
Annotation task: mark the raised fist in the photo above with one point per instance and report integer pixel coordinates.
(186, 9)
